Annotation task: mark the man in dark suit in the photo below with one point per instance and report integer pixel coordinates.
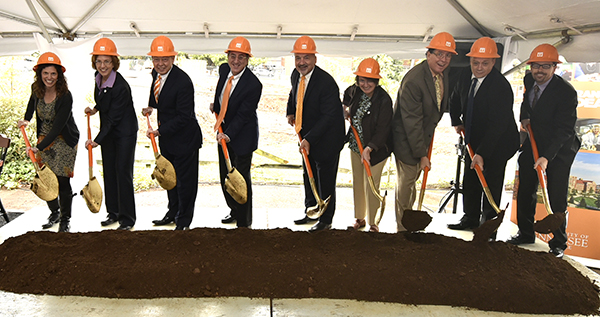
(319, 120)
(179, 135)
(422, 99)
(481, 105)
(237, 112)
(550, 108)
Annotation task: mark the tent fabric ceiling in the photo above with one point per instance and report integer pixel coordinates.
(394, 27)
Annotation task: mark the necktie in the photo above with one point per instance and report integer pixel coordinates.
(536, 92)
(469, 116)
(300, 104)
(438, 90)
(157, 88)
(224, 103)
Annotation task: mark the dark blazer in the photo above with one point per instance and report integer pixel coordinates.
(117, 115)
(240, 123)
(494, 133)
(553, 119)
(322, 116)
(377, 122)
(63, 125)
(416, 114)
(179, 130)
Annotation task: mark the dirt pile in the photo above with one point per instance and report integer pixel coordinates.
(410, 268)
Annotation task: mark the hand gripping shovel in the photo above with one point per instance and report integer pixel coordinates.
(318, 210)
(235, 184)
(416, 220)
(92, 192)
(164, 172)
(553, 221)
(485, 231)
(45, 183)
(380, 211)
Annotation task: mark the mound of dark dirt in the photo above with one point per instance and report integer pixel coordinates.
(409, 268)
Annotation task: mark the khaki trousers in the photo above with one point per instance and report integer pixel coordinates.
(406, 191)
(365, 202)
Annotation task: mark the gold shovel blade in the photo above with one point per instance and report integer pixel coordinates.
(164, 173)
(235, 185)
(92, 194)
(45, 184)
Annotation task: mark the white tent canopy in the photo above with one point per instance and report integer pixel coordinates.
(340, 28)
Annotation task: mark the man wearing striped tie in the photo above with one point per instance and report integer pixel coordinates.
(236, 100)
(315, 110)
(179, 135)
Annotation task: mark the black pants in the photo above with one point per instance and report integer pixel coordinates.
(182, 197)
(325, 175)
(558, 173)
(64, 200)
(242, 163)
(118, 156)
(474, 199)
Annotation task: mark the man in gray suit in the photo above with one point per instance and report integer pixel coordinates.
(422, 99)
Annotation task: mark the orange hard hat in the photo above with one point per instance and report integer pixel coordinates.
(162, 46)
(49, 58)
(443, 41)
(105, 46)
(484, 47)
(239, 44)
(305, 45)
(368, 68)
(544, 53)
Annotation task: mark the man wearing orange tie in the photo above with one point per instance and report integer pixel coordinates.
(315, 110)
(236, 100)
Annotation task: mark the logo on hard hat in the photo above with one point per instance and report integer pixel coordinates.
(304, 46)
(482, 50)
(238, 45)
(160, 49)
(102, 48)
(540, 54)
(448, 44)
(50, 59)
(368, 70)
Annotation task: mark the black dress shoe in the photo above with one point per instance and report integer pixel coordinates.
(557, 252)
(52, 220)
(109, 221)
(304, 220)
(64, 226)
(521, 239)
(463, 226)
(125, 227)
(164, 221)
(320, 226)
(228, 219)
(178, 228)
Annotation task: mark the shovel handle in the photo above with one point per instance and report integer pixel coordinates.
(90, 155)
(30, 152)
(307, 163)
(541, 174)
(425, 173)
(223, 143)
(360, 148)
(152, 138)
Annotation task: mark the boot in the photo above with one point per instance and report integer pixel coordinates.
(52, 219)
(65, 200)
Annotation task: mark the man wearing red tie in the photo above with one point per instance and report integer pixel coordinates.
(236, 100)
(179, 135)
(315, 110)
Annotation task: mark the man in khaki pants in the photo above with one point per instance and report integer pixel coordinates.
(422, 99)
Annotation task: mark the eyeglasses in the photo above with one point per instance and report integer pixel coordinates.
(241, 57)
(544, 66)
(442, 55)
(105, 63)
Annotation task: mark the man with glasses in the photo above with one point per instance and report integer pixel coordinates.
(236, 100)
(481, 105)
(179, 135)
(549, 108)
(422, 99)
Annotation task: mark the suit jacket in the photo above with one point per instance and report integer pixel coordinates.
(322, 114)
(179, 130)
(377, 122)
(494, 133)
(416, 113)
(117, 115)
(240, 123)
(63, 125)
(553, 119)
